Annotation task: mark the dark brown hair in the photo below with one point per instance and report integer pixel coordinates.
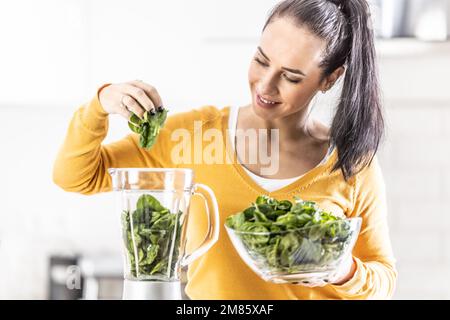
(358, 126)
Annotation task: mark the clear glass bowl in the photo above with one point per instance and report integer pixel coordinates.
(300, 255)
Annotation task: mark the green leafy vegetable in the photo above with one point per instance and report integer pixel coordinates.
(148, 128)
(152, 239)
(291, 237)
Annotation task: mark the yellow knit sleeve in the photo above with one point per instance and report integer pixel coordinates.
(375, 275)
(82, 162)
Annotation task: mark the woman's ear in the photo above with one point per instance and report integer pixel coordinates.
(329, 81)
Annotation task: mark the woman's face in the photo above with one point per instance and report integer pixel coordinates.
(285, 69)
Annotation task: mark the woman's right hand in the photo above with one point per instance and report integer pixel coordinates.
(130, 97)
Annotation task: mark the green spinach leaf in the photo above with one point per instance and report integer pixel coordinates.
(148, 127)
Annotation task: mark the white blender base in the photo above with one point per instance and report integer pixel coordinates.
(151, 290)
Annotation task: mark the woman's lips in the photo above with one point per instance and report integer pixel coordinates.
(265, 105)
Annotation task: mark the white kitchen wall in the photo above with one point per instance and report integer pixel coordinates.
(415, 160)
(448, 19)
(44, 57)
(56, 53)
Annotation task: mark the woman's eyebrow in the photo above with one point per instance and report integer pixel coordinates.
(284, 68)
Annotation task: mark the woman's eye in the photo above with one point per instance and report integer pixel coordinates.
(260, 62)
(291, 80)
(266, 65)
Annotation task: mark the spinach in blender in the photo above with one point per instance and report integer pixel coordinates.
(152, 238)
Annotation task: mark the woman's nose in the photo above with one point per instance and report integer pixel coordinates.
(268, 86)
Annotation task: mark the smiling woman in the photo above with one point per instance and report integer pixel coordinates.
(321, 42)
(305, 47)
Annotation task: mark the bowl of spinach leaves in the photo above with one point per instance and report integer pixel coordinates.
(290, 242)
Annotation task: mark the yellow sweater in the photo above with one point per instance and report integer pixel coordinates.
(82, 163)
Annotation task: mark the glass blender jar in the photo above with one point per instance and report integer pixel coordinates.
(154, 207)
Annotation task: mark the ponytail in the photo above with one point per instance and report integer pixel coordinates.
(357, 127)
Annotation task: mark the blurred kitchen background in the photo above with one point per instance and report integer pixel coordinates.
(55, 54)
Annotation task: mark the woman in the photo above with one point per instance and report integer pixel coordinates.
(306, 46)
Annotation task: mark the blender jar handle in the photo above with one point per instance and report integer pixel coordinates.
(213, 223)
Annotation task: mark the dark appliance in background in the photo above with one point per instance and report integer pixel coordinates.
(102, 275)
(65, 280)
(95, 277)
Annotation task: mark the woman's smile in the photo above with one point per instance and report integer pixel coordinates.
(265, 103)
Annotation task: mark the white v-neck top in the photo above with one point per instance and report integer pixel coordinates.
(266, 183)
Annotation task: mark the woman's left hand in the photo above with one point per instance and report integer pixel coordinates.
(341, 275)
